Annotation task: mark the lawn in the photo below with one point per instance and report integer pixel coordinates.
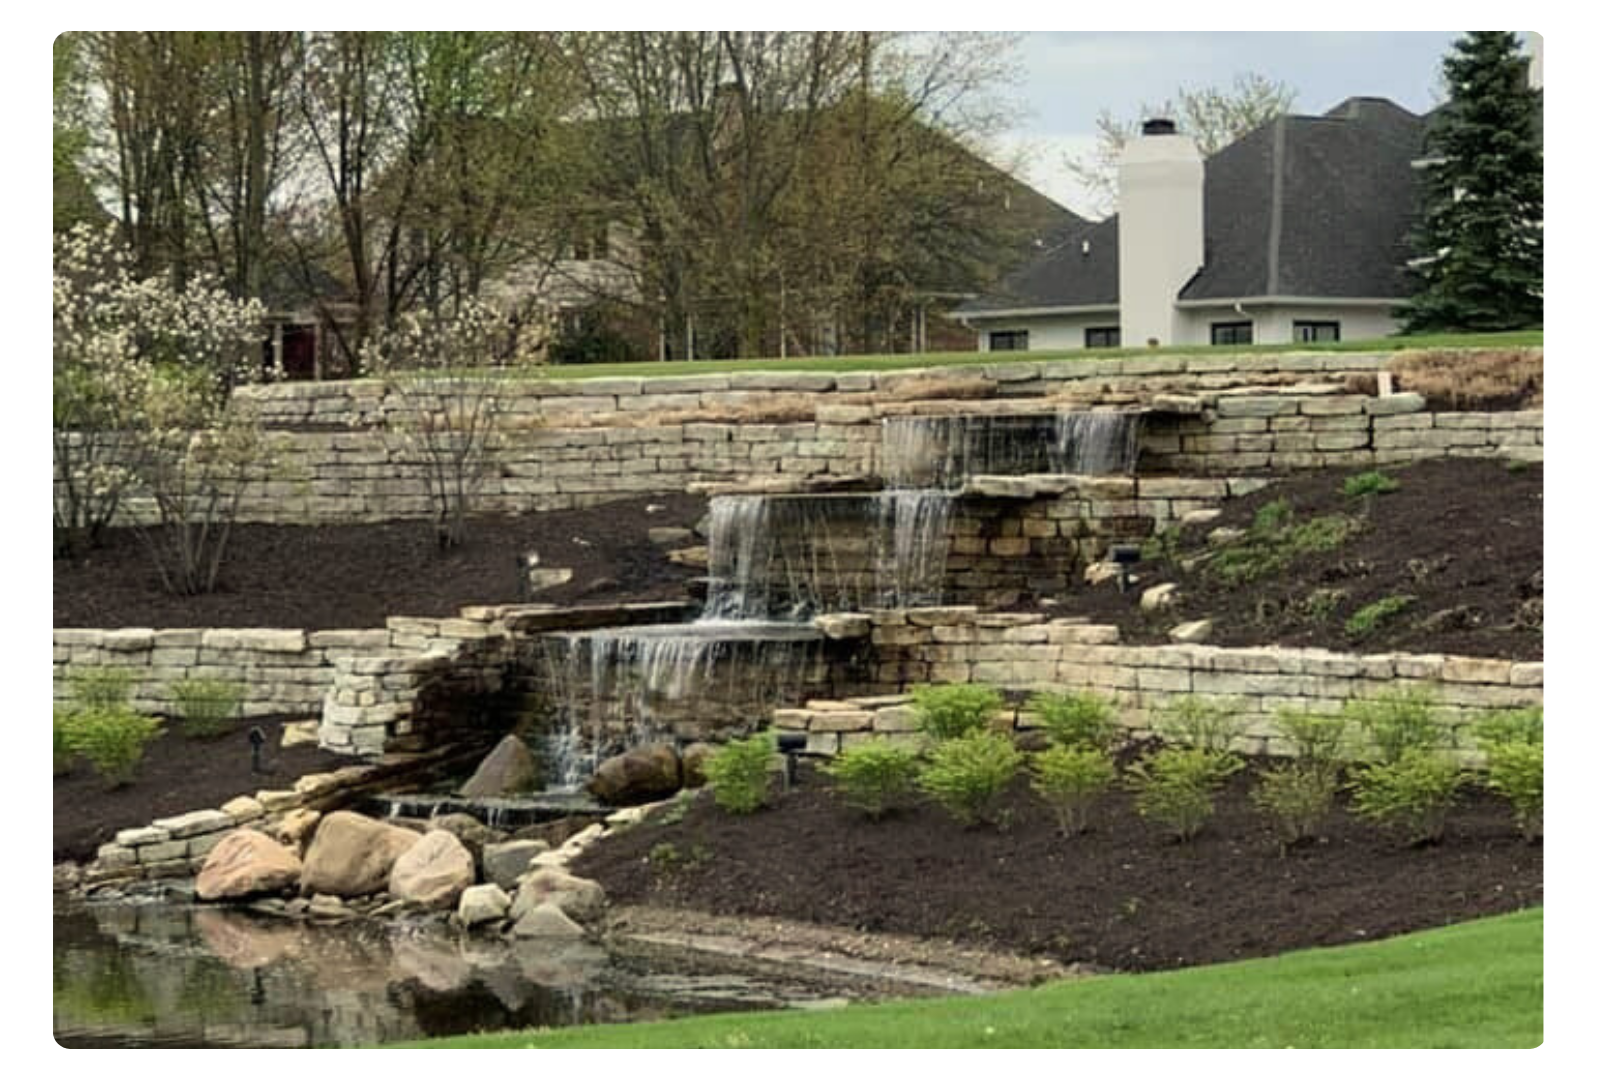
(1477, 984)
(652, 368)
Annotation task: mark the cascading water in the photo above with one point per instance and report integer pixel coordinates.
(943, 451)
(1096, 443)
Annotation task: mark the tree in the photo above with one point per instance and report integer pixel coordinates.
(1213, 116)
(1479, 243)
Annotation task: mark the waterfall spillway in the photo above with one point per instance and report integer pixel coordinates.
(942, 451)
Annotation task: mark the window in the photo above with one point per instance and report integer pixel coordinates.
(1231, 333)
(1102, 337)
(592, 242)
(1008, 340)
(1316, 331)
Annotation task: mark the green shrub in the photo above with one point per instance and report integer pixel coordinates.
(205, 706)
(1397, 721)
(954, 710)
(874, 776)
(1176, 786)
(1070, 779)
(740, 773)
(1369, 483)
(100, 688)
(1298, 797)
(1083, 719)
(967, 775)
(1209, 724)
(61, 740)
(113, 740)
(1411, 794)
(1514, 744)
(1274, 539)
(1375, 614)
(1314, 738)
(1271, 516)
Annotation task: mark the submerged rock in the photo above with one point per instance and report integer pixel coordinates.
(509, 769)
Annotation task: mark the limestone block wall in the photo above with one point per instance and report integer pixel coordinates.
(280, 671)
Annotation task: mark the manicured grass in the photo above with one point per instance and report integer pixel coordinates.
(1509, 339)
(1479, 984)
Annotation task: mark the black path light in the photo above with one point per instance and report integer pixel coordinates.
(257, 739)
(1123, 556)
(791, 745)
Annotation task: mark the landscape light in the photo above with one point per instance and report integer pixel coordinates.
(1123, 556)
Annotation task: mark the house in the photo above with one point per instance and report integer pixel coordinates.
(1296, 232)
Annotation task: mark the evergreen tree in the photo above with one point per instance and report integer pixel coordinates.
(1480, 239)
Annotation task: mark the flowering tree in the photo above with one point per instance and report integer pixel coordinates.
(447, 373)
(142, 406)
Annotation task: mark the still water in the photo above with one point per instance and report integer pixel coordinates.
(175, 975)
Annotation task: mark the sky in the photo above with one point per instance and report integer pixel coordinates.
(1065, 79)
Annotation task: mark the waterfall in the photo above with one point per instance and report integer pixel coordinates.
(942, 451)
(1095, 443)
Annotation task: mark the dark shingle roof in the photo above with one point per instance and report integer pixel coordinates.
(1302, 206)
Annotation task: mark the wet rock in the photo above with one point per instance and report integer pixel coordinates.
(547, 920)
(247, 863)
(482, 904)
(643, 774)
(692, 763)
(352, 855)
(433, 872)
(509, 768)
(578, 898)
(504, 863)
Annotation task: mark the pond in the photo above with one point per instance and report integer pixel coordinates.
(166, 974)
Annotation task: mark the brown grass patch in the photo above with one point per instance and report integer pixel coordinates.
(1473, 379)
(934, 387)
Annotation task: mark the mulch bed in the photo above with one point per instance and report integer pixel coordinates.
(1463, 537)
(353, 576)
(1120, 896)
(178, 774)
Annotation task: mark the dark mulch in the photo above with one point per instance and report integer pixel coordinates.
(350, 576)
(1463, 537)
(178, 774)
(1120, 896)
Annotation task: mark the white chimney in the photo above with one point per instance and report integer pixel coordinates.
(1160, 229)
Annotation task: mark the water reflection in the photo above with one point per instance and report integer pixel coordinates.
(169, 975)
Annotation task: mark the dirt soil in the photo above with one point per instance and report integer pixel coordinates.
(1463, 538)
(353, 576)
(178, 774)
(1120, 897)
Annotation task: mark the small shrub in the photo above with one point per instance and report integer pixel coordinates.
(113, 740)
(740, 774)
(1209, 724)
(61, 746)
(1271, 516)
(1375, 614)
(1275, 539)
(874, 777)
(1514, 744)
(100, 688)
(1298, 797)
(1319, 605)
(681, 804)
(1176, 786)
(1070, 779)
(1397, 721)
(1369, 483)
(1314, 738)
(205, 706)
(1083, 719)
(1411, 794)
(949, 712)
(967, 775)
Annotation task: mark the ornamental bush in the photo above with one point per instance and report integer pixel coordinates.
(1398, 721)
(1209, 724)
(967, 775)
(1071, 779)
(1514, 744)
(740, 774)
(874, 777)
(205, 706)
(954, 710)
(1297, 798)
(1176, 786)
(1082, 719)
(100, 688)
(1411, 794)
(113, 740)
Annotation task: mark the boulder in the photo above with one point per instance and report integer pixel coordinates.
(504, 863)
(434, 872)
(508, 769)
(578, 898)
(666, 534)
(296, 827)
(246, 863)
(300, 733)
(352, 855)
(692, 763)
(643, 774)
(472, 833)
(546, 921)
(1191, 633)
(1157, 597)
(482, 904)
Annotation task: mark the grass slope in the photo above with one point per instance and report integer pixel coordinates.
(1479, 984)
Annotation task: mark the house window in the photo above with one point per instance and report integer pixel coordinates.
(592, 242)
(1008, 340)
(1102, 337)
(1316, 331)
(1231, 333)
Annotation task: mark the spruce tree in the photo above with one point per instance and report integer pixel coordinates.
(1479, 244)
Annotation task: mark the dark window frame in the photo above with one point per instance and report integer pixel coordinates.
(1228, 333)
(1102, 337)
(1315, 326)
(1014, 340)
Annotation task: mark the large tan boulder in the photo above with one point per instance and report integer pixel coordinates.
(642, 774)
(433, 872)
(510, 768)
(246, 863)
(352, 855)
(578, 898)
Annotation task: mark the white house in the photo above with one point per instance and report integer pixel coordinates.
(1295, 232)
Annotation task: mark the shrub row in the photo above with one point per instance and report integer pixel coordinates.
(97, 724)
